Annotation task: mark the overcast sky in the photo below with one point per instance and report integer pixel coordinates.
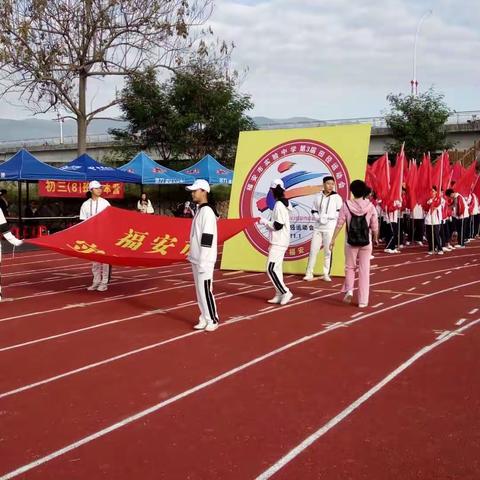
(340, 58)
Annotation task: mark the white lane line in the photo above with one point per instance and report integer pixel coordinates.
(266, 309)
(15, 264)
(448, 273)
(396, 296)
(473, 312)
(103, 300)
(116, 275)
(355, 315)
(355, 405)
(377, 305)
(461, 321)
(360, 315)
(411, 289)
(236, 272)
(427, 282)
(443, 334)
(218, 296)
(384, 269)
(438, 277)
(293, 453)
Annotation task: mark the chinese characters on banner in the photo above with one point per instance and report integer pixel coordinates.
(122, 237)
(59, 188)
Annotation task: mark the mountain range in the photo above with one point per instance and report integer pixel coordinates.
(34, 128)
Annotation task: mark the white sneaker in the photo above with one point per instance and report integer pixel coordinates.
(445, 249)
(308, 277)
(419, 243)
(275, 299)
(389, 250)
(286, 298)
(407, 243)
(211, 326)
(396, 251)
(348, 297)
(372, 257)
(363, 305)
(430, 253)
(102, 287)
(459, 246)
(440, 252)
(201, 324)
(326, 278)
(92, 287)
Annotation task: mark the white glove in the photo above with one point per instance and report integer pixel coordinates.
(263, 221)
(12, 239)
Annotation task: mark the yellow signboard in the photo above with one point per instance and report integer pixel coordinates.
(301, 158)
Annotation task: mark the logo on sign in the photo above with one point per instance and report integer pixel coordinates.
(301, 164)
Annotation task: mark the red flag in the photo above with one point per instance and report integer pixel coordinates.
(123, 237)
(457, 172)
(476, 187)
(464, 185)
(396, 179)
(424, 183)
(380, 177)
(411, 185)
(441, 172)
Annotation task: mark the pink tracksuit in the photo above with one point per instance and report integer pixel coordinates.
(358, 207)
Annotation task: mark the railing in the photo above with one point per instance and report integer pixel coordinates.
(471, 117)
(55, 141)
(458, 118)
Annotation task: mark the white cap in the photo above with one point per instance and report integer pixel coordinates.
(199, 184)
(277, 182)
(94, 184)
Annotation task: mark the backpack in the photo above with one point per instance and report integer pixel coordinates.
(358, 232)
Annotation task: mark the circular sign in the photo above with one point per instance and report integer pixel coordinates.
(301, 164)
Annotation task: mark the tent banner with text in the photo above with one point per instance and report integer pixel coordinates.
(59, 188)
(301, 158)
(123, 237)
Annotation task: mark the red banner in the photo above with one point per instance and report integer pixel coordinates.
(59, 188)
(123, 237)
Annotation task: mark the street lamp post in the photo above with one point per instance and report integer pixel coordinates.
(414, 81)
(60, 120)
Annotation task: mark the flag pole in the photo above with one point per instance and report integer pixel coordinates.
(400, 189)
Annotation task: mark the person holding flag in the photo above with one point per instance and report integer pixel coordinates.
(203, 254)
(91, 207)
(461, 216)
(433, 220)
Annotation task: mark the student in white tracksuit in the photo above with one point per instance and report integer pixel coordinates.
(203, 255)
(325, 212)
(7, 235)
(90, 208)
(279, 226)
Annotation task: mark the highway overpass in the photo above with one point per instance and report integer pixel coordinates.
(463, 128)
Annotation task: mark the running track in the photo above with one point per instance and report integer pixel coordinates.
(117, 385)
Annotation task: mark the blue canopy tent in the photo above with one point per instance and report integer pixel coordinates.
(152, 173)
(93, 170)
(209, 169)
(24, 167)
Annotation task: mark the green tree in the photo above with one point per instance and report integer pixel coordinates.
(51, 49)
(419, 121)
(197, 111)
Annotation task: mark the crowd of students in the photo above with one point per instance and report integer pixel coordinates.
(447, 220)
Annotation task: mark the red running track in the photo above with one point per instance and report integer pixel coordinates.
(119, 386)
